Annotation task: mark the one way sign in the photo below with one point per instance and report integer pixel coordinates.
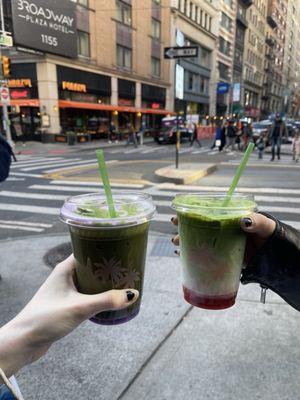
(181, 52)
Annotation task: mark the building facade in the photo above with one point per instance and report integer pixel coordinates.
(254, 58)
(197, 23)
(274, 58)
(226, 37)
(119, 75)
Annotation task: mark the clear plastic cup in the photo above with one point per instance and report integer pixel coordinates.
(212, 246)
(110, 253)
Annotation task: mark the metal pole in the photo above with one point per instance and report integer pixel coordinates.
(5, 117)
(177, 123)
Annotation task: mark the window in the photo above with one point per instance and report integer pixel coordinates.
(224, 46)
(155, 29)
(124, 57)
(123, 12)
(84, 3)
(192, 81)
(205, 57)
(196, 15)
(226, 22)
(155, 66)
(204, 84)
(228, 3)
(223, 71)
(83, 44)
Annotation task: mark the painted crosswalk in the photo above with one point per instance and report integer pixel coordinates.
(38, 206)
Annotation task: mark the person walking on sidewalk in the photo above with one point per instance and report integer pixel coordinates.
(131, 135)
(296, 146)
(278, 130)
(220, 138)
(260, 144)
(193, 130)
(231, 134)
(112, 133)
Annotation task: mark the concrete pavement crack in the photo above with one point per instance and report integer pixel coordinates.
(156, 350)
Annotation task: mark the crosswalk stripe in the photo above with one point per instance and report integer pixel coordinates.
(49, 171)
(224, 189)
(66, 188)
(26, 175)
(21, 228)
(34, 224)
(35, 196)
(57, 164)
(12, 179)
(130, 151)
(29, 209)
(152, 150)
(83, 183)
(35, 162)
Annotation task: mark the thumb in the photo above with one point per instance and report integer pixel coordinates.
(259, 224)
(111, 300)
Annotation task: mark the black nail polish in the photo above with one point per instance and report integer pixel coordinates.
(172, 219)
(130, 295)
(172, 240)
(247, 222)
(177, 252)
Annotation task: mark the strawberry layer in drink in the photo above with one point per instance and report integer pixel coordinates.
(212, 246)
(110, 253)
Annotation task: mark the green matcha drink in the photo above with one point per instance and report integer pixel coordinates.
(110, 252)
(212, 246)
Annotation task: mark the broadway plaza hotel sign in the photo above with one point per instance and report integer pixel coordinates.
(48, 26)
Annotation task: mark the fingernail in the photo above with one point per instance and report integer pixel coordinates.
(247, 222)
(130, 295)
(172, 219)
(172, 240)
(177, 252)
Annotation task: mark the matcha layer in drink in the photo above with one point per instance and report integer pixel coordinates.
(110, 252)
(212, 246)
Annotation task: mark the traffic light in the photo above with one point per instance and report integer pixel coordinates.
(6, 64)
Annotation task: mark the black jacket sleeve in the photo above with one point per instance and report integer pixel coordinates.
(277, 264)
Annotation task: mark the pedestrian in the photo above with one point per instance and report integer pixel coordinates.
(272, 255)
(112, 133)
(54, 311)
(247, 134)
(6, 155)
(131, 135)
(260, 144)
(278, 130)
(231, 134)
(220, 138)
(296, 146)
(194, 134)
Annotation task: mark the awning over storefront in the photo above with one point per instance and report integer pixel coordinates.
(108, 107)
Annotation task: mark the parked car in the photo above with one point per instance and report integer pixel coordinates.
(168, 133)
(261, 128)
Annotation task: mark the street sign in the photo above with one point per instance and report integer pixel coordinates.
(181, 52)
(4, 95)
(223, 88)
(179, 38)
(6, 40)
(236, 94)
(179, 84)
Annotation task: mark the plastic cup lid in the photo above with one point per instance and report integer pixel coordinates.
(91, 210)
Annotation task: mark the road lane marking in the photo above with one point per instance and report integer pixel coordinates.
(26, 175)
(21, 228)
(33, 224)
(29, 209)
(56, 164)
(82, 183)
(36, 162)
(35, 196)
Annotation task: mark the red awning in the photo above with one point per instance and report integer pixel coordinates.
(109, 107)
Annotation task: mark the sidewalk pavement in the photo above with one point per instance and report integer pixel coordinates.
(38, 148)
(170, 351)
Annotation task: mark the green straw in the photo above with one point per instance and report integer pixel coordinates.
(238, 173)
(106, 183)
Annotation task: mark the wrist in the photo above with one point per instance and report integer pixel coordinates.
(15, 347)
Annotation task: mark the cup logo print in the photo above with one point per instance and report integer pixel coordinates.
(112, 270)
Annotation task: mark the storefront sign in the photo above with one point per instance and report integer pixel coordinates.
(126, 102)
(16, 94)
(155, 106)
(74, 87)
(19, 83)
(223, 88)
(49, 26)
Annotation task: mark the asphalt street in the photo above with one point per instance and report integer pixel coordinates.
(32, 196)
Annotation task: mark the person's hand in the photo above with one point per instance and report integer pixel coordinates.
(258, 228)
(54, 311)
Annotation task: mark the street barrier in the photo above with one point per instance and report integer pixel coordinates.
(206, 132)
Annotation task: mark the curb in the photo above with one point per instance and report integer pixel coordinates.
(186, 174)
